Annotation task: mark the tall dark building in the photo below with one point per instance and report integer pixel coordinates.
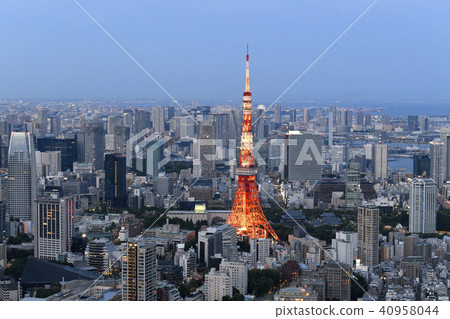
(142, 120)
(121, 136)
(293, 115)
(421, 165)
(368, 120)
(413, 123)
(360, 118)
(67, 147)
(94, 144)
(115, 180)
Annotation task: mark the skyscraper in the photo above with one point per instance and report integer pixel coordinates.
(54, 225)
(368, 230)
(205, 150)
(115, 180)
(158, 119)
(445, 138)
(141, 120)
(303, 155)
(424, 124)
(360, 118)
(278, 114)
(94, 139)
(260, 250)
(138, 271)
(67, 147)
(421, 165)
(352, 186)
(42, 122)
(413, 123)
(380, 160)
(121, 136)
(305, 115)
(422, 206)
(113, 122)
(21, 176)
(368, 120)
(293, 115)
(437, 162)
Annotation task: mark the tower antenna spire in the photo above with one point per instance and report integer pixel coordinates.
(247, 75)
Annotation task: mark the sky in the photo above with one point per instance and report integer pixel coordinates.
(196, 49)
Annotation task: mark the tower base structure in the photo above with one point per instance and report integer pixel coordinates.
(247, 215)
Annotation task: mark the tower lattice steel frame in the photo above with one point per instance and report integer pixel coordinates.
(246, 213)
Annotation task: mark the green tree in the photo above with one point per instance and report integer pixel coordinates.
(356, 290)
(260, 282)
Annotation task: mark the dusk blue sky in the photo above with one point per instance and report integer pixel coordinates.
(196, 49)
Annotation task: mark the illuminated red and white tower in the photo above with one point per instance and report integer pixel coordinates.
(246, 214)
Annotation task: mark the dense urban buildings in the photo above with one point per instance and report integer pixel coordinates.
(129, 200)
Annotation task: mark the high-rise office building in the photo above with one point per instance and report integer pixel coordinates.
(21, 176)
(260, 250)
(48, 163)
(215, 241)
(305, 115)
(424, 124)
(380, 161)
(145, 152)
(205, 150)
(158, 119)
(218, 284)
(368, 230)
(235, 124)
(445, 138)
(141, 120)
(55, 126)
(421, 165)
(293, 115)
(138, 271)
(339, 154)
(94, 138)
(278, 114)
(170, 112)
(413, 123)
(115, 180)
(360, 118)
(368, 120)
(113, 122)
(121, 136)
(352, 186)
(346, 245)
(239, 274)
(303, 155)
(422, 206)
(67, 147)
(437, 162)
(54, 225)
(42, 122)
(98, 254)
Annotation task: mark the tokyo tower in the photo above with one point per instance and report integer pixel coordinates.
(246, 214)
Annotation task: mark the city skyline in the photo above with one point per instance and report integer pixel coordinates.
(286, 197)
